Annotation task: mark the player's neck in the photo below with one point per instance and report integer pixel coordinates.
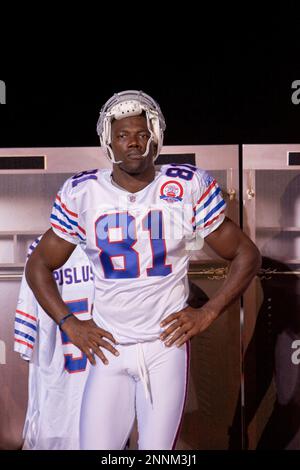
(133, 182)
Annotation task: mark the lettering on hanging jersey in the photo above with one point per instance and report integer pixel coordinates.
(76, 271)
(73, 275)
(58, 369)
(75, 284)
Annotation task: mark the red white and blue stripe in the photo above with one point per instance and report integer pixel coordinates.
(66, 221)
(25, 332)
(209, 207)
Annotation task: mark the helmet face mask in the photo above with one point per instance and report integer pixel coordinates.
(126, 104)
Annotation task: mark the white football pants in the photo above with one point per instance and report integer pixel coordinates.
(147, 380)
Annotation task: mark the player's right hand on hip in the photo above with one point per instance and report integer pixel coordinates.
(89, 338)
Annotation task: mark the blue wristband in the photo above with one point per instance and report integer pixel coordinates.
(62, 321)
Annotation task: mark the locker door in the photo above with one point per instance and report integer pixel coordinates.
(272, 302)
(215, 373)
(26, 197)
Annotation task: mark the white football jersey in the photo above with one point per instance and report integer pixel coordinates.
(136, 242)
(57, 369)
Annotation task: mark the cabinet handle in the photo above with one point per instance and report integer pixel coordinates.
(250, 193)
(231, 193)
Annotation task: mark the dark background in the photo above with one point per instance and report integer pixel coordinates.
(211, 89)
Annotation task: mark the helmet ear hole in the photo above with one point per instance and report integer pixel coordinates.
(131, 103)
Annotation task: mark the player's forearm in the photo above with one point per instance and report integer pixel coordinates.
(41, 281)
(242, 270)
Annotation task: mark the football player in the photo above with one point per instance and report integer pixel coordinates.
(134, 224)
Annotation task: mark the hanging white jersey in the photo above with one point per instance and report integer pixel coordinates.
(57, 369)
(136, 242)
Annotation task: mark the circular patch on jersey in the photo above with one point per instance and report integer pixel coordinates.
(171, 191)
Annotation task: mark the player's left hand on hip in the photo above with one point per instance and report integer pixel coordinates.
(185, 324)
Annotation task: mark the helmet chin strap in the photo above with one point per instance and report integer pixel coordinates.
(110, 155)
(151, 138)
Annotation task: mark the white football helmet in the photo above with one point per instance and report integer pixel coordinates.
(131, 103)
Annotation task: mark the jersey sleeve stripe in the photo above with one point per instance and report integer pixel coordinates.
(61, 222)
(23, 342)
(213, 211)
(73, 234)
(64, 224)
(65, 221)
(213, 220)
(65, 207)
(25, 335)
(30, 250)
(209, 189)
(82, 229)
(208, 211)
(26, 315)
(25, 323)
(33, 246)
(208, 200)
(72, 222)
